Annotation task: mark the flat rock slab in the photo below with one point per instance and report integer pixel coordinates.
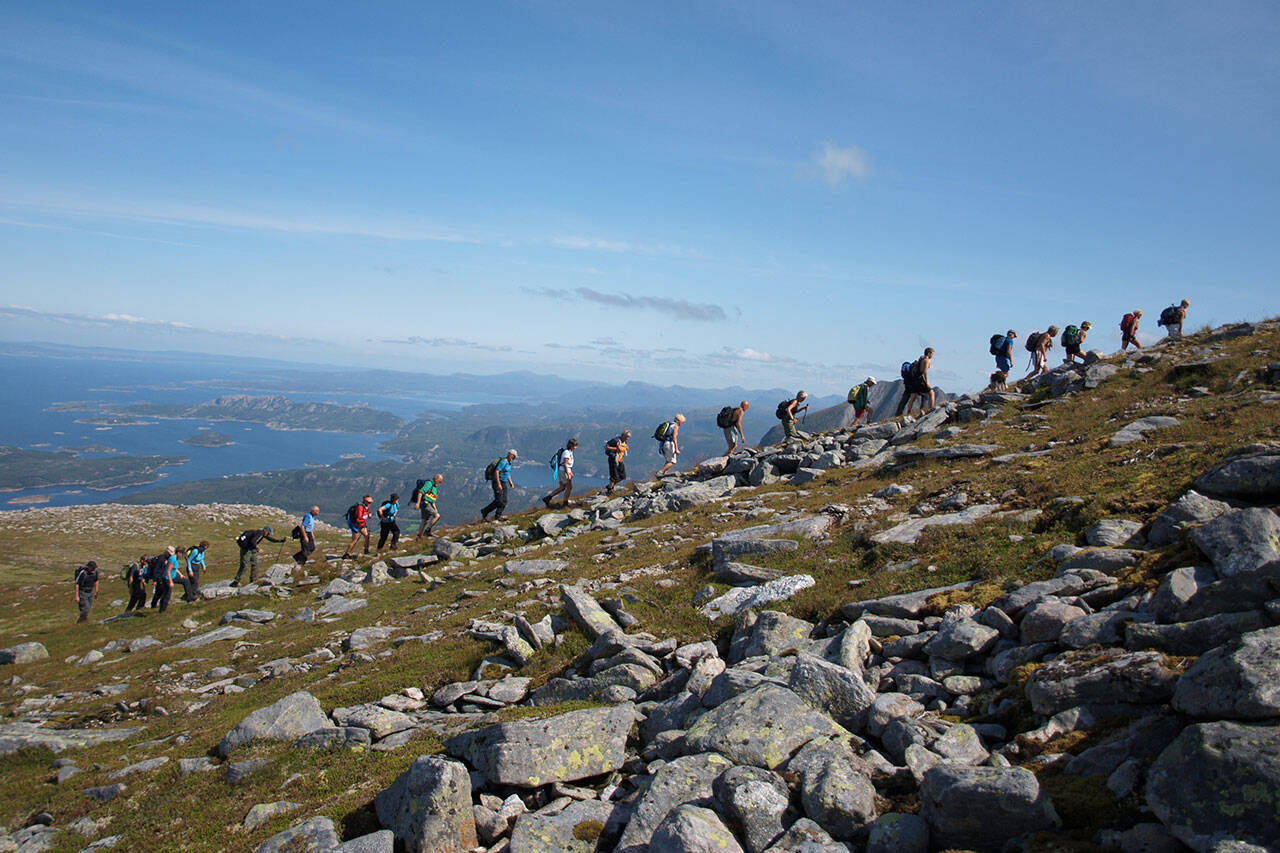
(413, 561)
(1138, 430)
(907, 605)
(747, 598)
(1240, 680)
(908, 532)
(762, 727)
(533, 567)
(226, 632)
(381, 722)
(563, 748)
(1253, 477)
(15, 736)
(340, 605)
(809, 527)
(955, 451)
(257, 617)
(587, 612)
(313, 834)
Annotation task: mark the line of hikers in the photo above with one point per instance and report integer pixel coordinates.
(162, 570)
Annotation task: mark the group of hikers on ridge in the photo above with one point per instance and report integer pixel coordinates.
(166, 569)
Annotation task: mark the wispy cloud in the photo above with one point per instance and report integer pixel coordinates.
(178, 72)
(838, 164)
(624, 246)
(452, 343)
(705, 312)
(19, 312)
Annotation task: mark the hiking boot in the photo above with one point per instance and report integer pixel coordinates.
(233, 583)
(546, 502)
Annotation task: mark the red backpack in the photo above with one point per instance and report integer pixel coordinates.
(1126, 323)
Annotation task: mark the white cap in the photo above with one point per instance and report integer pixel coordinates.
(871, 380)
(512, 452)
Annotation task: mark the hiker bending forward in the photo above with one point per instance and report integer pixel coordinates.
(860, 399)
(249, 542)
(734, 426)
(789, 412)
(1039, 344)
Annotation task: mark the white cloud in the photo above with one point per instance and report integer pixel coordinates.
(753, 355)
(838, 164)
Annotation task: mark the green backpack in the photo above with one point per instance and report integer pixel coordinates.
(1070, 336)
(491, 469)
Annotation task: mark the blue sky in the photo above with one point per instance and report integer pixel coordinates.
(705, 193)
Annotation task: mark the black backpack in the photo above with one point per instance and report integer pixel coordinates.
(1168, 316)
(243, 539)
(1033, 341)
(781, 412)
(725, 418)
(417, 492)
(554, 462)
(663, 430)
(156, 567)
(997, 344)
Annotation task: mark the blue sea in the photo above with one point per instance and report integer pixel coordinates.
(32, 385)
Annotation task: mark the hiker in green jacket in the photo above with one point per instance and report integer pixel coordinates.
(860, 399)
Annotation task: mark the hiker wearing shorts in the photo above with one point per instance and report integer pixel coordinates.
(1039, 344)
(86, 583)
(1072, 338)
(1004, 351)
(358, 524)
(249, 541)
(387, 522)
(564, 473)
(669, 443)
(1129, 330)
(427, 496)
(615, 451)
(305, 533)
(860, 399)
(734, 426)
(915, 384)
(137, 579)
(788, 414)
(1171, 318)
(498, 471)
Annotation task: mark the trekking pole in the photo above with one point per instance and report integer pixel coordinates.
(280, 552)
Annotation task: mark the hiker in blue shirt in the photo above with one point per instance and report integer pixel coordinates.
(387, 518)
(499, 472)
(306, 536)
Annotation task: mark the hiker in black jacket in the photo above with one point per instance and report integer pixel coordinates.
(137, 578)
(249, 542)
(86, 581)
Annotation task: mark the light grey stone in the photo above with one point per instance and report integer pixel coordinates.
(313, 835)
(1110, 678)
(382, 841)
(381, 722)
(1195, 637)
(23, 653)
(533, 567)
(1044, 621)
(761, 727)
(289, 718)
(687, 780)
(1253, 477)
(839, 693)
(226, 632)
(265, 812)
(587, 612)
(1115, 533)
(961, 639)
(745, 598)
(564, 748)
(340, 605)
(908, 532)
(558, 831)
(693, 829)
(755, 801)
(1137, 430)
(1186, 512)
(428, 807)
(895, 832)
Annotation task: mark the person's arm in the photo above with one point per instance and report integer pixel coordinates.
(675, 437)
(75, 588)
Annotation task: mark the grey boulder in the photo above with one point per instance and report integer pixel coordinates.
(982, 808)
(1240, 680)
(291, 717)
(761, 727)
(313, 834)
(693, 829)
(428, 807)
(1240, 765)
(689, 779)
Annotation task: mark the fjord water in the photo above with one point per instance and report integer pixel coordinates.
(31, 385)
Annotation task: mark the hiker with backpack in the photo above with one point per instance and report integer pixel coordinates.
(195, 562)
(136, 576)
(424, 498)
(668, 437)
(163, 570)
(248, 541)
(498, 471)
(86, 583)
(730, 420)
(1171, 318)
(387, 526)
(358, 524)
(1129, 330)
(1039, 344)
(305, 533)
(915, 383)
(1072, 338)
(1002, 349)
(787, 411)
(562, 462)
(860, 399)
(615, 451)
(183, 578)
